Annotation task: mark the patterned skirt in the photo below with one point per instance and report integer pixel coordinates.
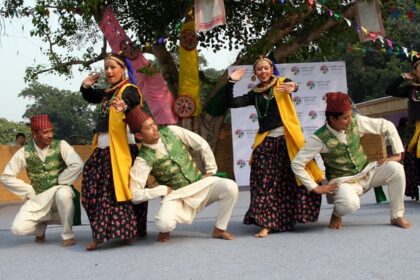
(412, 175)
(108, 218)
(277, 202)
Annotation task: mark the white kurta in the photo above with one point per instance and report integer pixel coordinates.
(371, 176)
(39, 207)
(191, 198)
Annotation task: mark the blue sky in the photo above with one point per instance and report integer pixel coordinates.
(18, 50)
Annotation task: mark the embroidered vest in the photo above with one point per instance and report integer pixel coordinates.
(342, 160)
(177, 169)
(44, 175)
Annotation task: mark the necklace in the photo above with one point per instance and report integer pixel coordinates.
(260, 88)
(107, 100)
(268, 99)
(106, 104)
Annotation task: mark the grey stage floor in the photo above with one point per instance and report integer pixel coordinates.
(366, 248)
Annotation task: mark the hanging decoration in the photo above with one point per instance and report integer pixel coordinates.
(154, 88)
(189, 82)
(209, 14)
(368, 15)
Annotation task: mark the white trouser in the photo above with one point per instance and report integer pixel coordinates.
(171, 212)
(347, 201)
(25, 222)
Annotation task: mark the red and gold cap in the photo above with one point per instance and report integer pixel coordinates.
(39, 122)
(135, 119)
(338, 102)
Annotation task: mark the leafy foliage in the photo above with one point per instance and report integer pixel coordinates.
(71, 115)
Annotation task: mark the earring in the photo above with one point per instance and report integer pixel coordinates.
(253, 78)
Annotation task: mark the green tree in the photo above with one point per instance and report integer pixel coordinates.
(71, 115)
(9, 129)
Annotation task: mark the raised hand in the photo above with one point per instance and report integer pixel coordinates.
(288, 87)
(237, 74)
(118, 104)
(90, 80)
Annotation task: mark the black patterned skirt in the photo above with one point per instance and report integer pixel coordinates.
(277, 202)
(108, 218)
(412, 175)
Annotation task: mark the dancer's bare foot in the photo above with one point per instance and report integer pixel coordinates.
(92, 245)
(164, 236)
(40, 239)
(263, 233)
(335, 222)
(401, 222)
(68, 242)
(223, 234)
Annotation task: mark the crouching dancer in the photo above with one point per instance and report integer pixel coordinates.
(184, 188)
(52, 168)
(347, 169)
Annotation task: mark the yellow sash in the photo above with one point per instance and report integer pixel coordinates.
(292, 132)
(415, 141)
(120, 152)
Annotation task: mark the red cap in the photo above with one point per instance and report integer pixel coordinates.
(338, 102)
(39, 122)
(135, 119)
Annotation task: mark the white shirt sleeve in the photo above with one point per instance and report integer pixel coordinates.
(198, 144)
(9, 176)
(74, 164)
(139, 173)
(382, 127)
(312, 148)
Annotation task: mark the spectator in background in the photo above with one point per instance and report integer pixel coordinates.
(20, 139)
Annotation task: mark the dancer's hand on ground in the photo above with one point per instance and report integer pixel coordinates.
(326, 189)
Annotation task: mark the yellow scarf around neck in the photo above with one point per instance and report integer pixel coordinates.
(292, 132)
(120, 152)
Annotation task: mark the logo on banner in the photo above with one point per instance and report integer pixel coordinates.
(310, 84)
(253, 117)
(312, 114)
(295, 70)
(251, 85)
(239, 133)
(297, 100)
(324, 69)
(241, 163)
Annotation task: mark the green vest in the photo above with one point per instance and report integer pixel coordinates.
(44, 175)
(177, 169)
(342, 160)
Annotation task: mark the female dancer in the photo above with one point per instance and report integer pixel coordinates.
(277, 202)
(105, 187)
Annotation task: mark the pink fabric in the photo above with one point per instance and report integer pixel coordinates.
(155, 90)
(209, 14)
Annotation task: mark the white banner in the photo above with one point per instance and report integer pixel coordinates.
(314, 80)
